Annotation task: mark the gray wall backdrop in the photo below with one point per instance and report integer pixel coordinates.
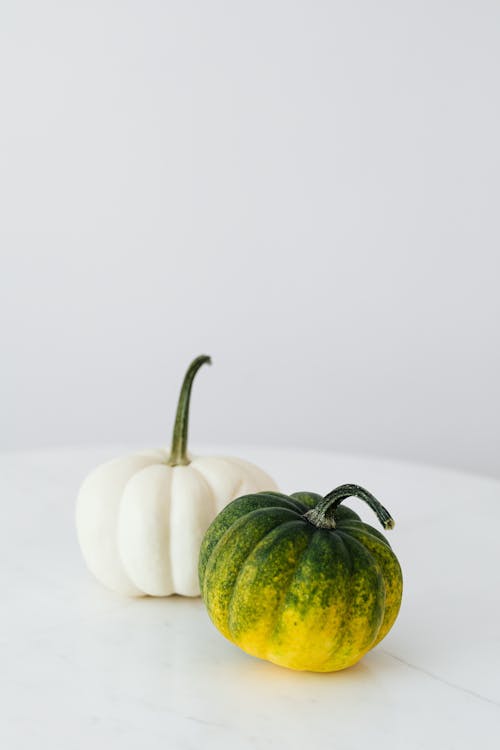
(307, 191)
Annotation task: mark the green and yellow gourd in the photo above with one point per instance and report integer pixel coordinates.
(300, 580)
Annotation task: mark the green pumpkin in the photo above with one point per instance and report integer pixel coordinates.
(300, 580)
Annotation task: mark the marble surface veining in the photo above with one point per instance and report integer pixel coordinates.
(85, 668)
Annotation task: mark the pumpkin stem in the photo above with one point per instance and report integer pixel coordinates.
(178, 450)
(323, 514)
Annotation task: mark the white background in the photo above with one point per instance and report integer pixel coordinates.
(307, 191)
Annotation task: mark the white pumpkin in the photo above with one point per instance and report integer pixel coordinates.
(141, 518)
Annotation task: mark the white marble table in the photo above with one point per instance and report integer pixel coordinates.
(84, 668)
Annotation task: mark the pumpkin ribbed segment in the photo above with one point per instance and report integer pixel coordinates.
(389, 567)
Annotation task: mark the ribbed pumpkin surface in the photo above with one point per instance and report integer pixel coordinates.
(302, 597)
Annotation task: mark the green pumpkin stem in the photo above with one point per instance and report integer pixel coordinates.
(178, 451)
(323, 514)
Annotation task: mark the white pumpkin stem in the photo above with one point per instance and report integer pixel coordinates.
(323, 514)
(178, 451)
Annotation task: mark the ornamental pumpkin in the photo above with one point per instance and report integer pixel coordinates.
(301, 581)
(141, 518)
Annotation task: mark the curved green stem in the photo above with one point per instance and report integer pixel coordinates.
(323, 514)
(178, 451)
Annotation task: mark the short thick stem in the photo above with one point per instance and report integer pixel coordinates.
(323, 514)
(178, 452)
